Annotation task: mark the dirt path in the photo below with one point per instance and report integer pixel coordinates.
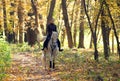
(26, 67)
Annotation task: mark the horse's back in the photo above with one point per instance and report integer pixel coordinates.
(54, 35)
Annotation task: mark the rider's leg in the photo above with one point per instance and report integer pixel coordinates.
(59, 45)
(45, 44)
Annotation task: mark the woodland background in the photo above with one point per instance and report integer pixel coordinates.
(89, 31)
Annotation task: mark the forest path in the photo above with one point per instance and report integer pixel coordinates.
(71, 65)
(27, 67)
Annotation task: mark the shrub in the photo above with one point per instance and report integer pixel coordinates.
(4, 58)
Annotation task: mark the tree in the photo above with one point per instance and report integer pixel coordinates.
(36, 31)
(81, 28)
(51, 10)
(21, 21)
(113, 26)
(105, 33)
(93, 29)
(11, 27)
(76, 18)
(35, 12)
(67, 26)
(5, 17)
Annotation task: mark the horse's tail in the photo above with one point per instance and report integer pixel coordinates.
(41, 39)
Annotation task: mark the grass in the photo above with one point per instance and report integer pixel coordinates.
(5, 58)
(79, 64)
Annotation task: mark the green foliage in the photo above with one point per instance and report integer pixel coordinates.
(20, 47)
(23, 47)
(4, 58)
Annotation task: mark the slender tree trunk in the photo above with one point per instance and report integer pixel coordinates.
(76, 17)
(75, 27)
(21, 21)
(72, 15)
(60, 19)
(113, 25)
(104, 34)
(16, 22)
(81, 28)
(93, 31)
(91, 41)
(11, 34)
(34, 7)
(5, 17)
(66, 21)
(36, 26)
(93, 19)
(51, 10)
(112, 42)
(63, 36)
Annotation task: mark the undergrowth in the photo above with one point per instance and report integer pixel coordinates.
(5, 58)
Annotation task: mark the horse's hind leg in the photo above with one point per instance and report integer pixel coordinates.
(54, 61)
(51, 61)
(43, 59)
(53, 64)
(50, 64)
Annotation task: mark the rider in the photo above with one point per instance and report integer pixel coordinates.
(50, 28)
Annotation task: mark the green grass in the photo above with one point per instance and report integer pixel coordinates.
(79, 65)
(5, 58)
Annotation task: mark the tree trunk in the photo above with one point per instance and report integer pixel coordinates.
(75, 16)
(66, 21)
(5, 17)
(104, 35)
(21, 21)
(93, 31)
(63, 36)
(36, 31)
(81, 28)
(11, 34)
(113, 25)
(112, 42)
(72, 15)
(34, 7)
(91, 41)
(75, 28)
(51, 10)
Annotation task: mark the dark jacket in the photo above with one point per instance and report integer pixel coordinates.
(50, 28)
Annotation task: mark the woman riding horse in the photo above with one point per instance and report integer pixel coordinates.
(50, 28)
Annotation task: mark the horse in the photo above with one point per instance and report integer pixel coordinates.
(51, 50)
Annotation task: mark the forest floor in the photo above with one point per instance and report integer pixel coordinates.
(71, 65)
(26, 67)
